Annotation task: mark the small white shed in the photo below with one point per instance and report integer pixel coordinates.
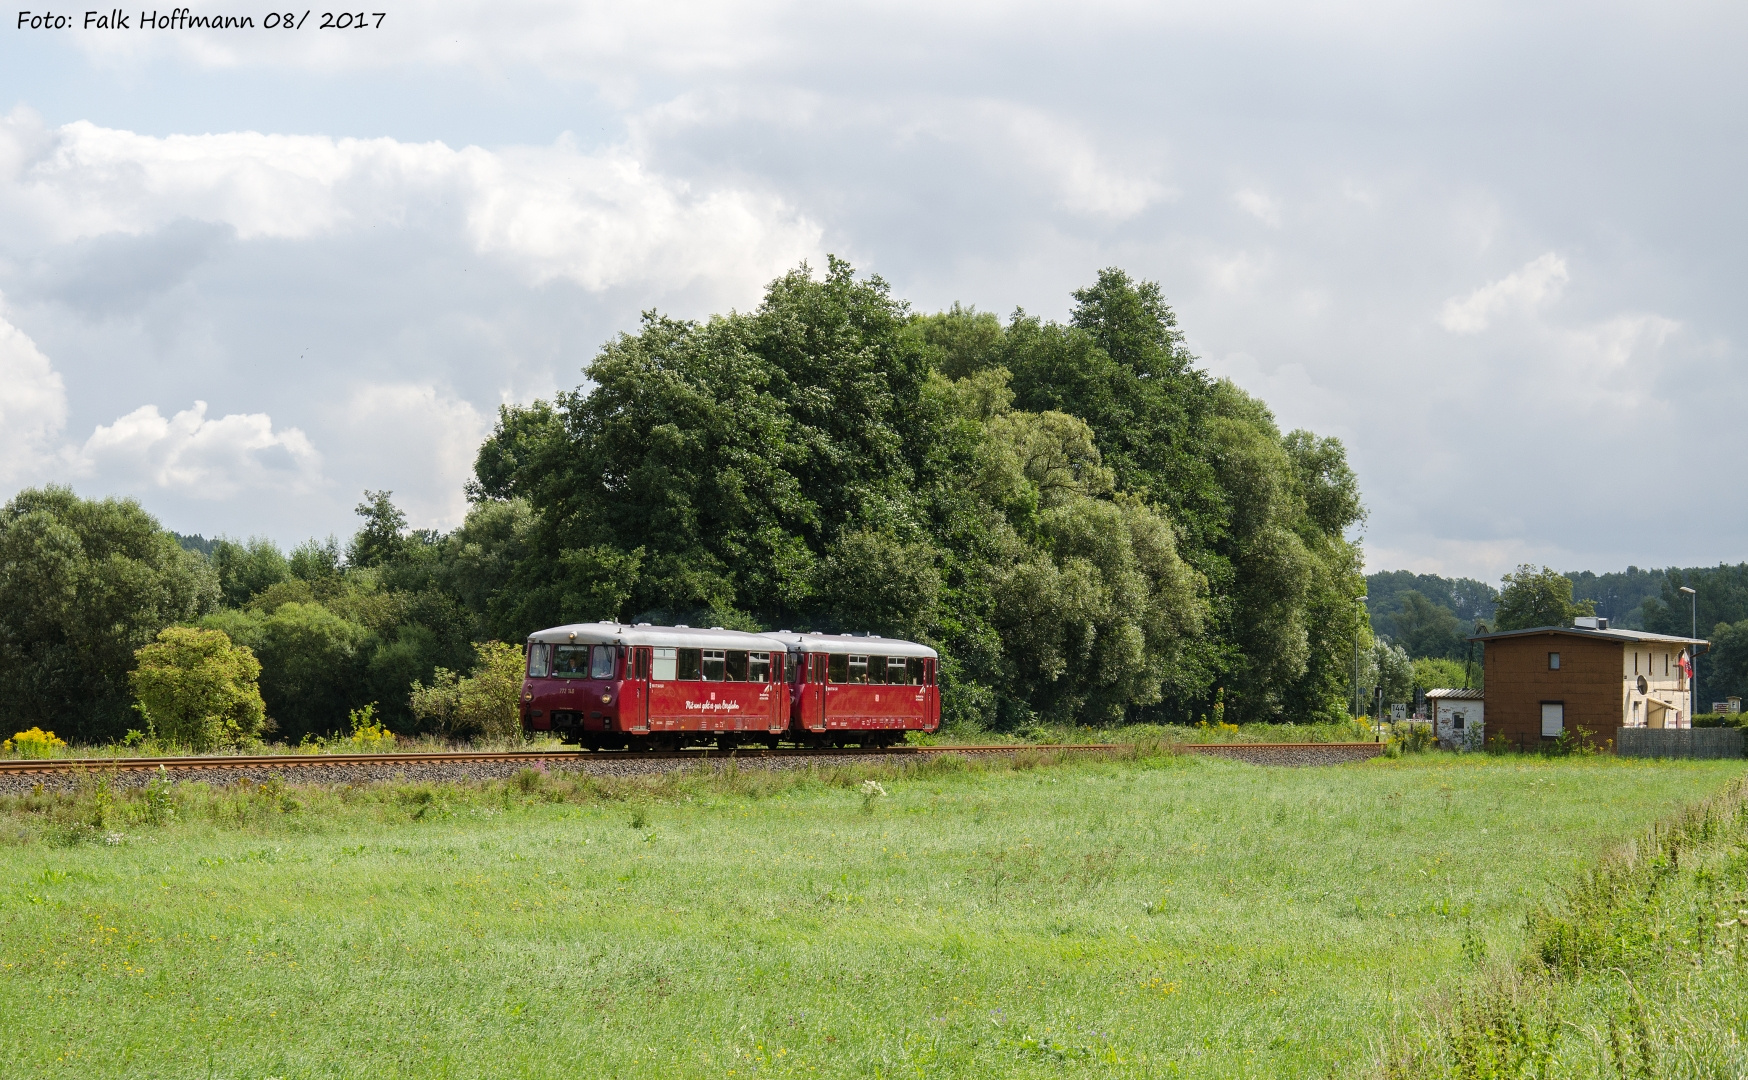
(1458, 718)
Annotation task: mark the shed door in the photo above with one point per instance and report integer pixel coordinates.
(1553, 719)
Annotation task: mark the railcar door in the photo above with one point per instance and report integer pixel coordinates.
(810, 693)
(634, 692)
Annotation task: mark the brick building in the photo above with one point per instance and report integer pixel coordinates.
(1552, 679)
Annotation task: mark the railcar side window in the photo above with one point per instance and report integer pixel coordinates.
(602, 666)
(858, 669)
(640, 662)
(897, 671)
(666, 666)
(571, 661)
(818, 660)
(929, 674)
(714, 665)
(539, 660)
(837, 668)
(690, 664)
(736, 664)
(913, 669)
(758, 666)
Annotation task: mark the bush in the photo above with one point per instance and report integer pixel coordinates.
(483, 704)
(197, 689)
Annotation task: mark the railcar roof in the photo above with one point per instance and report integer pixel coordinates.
(685, 637)
(853, 643)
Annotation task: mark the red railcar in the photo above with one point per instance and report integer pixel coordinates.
(868, 690)
(614, 685)
(609, 684)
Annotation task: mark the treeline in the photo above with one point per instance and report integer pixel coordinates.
(1086, 524)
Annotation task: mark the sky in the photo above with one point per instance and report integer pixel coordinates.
(1497, 249)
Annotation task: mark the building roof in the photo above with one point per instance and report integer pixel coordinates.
(1464, 694)
(1580, 631)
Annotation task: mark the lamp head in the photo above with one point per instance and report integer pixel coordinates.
(1687, 590)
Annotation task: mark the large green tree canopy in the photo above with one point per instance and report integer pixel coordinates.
(1085, 523)
(82, 585)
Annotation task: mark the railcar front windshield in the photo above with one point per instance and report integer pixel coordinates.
(570, 661)
(538, 655)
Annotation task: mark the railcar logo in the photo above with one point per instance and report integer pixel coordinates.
(714, 706)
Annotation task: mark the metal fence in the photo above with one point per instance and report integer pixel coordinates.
(1679, 742)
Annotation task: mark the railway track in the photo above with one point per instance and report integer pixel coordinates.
(1262, 753)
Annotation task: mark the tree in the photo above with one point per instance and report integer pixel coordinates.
(832, 460)
(248, 569)
(313, 663)
(1433, 673)
(1395, 671)
(83, 584)
(1533, 597)
(382, 539)
(197, 689)
(1425, 628)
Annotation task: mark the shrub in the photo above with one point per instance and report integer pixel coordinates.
(488, 698)
(35, 743)
(483, 704)
(197, 689)
(440, 703)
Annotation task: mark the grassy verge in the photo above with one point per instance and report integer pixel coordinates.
(1155, 916)
(1638, 970)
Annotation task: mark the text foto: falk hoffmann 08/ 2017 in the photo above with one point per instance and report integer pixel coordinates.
(186, 19)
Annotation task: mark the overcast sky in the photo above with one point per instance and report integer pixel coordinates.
(1498, 249)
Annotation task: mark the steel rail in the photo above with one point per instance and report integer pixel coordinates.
(462, 757)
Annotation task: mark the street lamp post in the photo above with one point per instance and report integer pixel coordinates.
(1356, 659)
(1692, 655)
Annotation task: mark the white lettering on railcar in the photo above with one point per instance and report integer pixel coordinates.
(714, 706)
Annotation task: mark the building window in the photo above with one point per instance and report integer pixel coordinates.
(1553, 661)
(1457, 721)
(1553, 719)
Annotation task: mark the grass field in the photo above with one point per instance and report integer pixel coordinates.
(1152, 917)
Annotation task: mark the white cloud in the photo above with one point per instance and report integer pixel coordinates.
(1083, 176)
(1524, 290)
(33, 405)
(192, 456)
(600, 220)
(1259, 205)
(418, 442)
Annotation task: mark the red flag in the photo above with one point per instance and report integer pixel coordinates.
(1685, 663)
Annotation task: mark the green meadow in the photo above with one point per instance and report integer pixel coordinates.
(1150, 916)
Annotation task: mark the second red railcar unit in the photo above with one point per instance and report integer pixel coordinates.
(868, 690)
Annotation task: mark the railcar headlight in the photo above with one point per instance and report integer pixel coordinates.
(606, 699)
